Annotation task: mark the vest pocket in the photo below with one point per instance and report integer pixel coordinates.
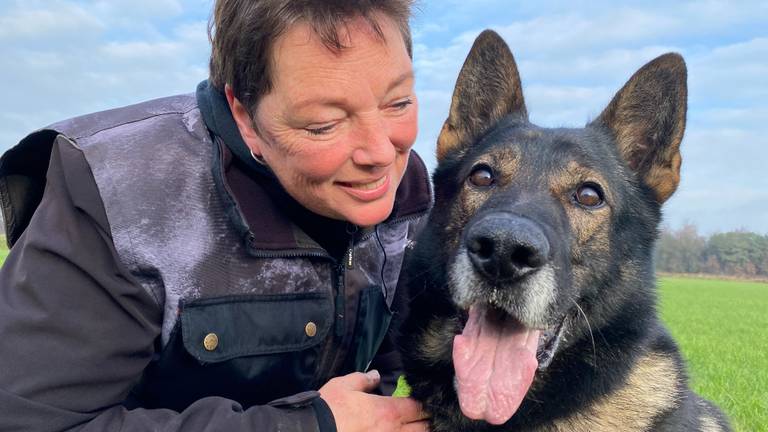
(220, 329)
(252, 349)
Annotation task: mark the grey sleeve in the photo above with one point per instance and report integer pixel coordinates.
(76, 331)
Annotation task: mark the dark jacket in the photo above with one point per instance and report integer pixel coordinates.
(160, 279)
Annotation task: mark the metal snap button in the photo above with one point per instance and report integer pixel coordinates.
(310, 329)
(210, 342)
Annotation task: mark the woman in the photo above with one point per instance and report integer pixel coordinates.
(206, 262)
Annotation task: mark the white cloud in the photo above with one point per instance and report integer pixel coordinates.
(139, 9)
(722, 186)
(611, 66)
(731, 74)
(572, 63)
(88, 55)
(433, 110)
(418, 32)
(743, 118)
(575, 31)
(142, 51)
(81, 59)
(29, 23)
(438, 67)
(565, 106)
(718, 210)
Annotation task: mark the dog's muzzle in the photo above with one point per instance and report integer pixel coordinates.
(504, 247)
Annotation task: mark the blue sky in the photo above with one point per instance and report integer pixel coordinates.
(63, 58)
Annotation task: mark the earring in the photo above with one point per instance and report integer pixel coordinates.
(259, 159)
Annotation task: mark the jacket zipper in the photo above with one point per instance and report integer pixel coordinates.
(409, 218)
(339, 300)
(346, 264)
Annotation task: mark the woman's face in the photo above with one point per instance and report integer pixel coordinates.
(337, 127)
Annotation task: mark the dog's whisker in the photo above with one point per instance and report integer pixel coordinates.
(589, 327)
(426, 270)
(533, 399)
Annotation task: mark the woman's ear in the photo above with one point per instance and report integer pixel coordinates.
(244, 122)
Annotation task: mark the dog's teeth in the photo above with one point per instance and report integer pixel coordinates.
(495, 297)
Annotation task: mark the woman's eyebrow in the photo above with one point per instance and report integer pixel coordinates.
(322, 101)
(405, 76)
(341, 101)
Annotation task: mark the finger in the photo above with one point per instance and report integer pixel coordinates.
(409, 410)
(359, 381)
(420, 426)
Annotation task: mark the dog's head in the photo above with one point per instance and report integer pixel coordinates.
(540, 227)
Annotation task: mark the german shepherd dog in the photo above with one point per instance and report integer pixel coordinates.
(531, 292)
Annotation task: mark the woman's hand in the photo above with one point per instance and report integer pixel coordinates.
(354, 409)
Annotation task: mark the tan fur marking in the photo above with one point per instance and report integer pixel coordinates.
(505, 163)
(708, 424)
(651, 389)
(433, 347)
(664, 180)
(462, 210)
(532, 134)
(472, 200)
(587, 225)
(448, 139)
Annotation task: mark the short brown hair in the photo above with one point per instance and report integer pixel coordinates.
(243, 32)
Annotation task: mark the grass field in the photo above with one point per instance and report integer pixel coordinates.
(3, 249)
(722, 328)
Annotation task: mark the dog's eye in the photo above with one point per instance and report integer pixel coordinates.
(589, 195)
(481, 176)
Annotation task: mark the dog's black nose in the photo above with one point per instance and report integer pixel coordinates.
(505, 246)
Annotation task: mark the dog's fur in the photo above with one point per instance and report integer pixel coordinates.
(612, 366)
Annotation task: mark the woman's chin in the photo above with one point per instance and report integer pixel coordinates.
(369, 214)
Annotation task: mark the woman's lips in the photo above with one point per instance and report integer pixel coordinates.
(367, 191)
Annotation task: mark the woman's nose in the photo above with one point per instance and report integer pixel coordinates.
(375, 147)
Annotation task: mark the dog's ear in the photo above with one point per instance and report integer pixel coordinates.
(488, 88)
(647, 118)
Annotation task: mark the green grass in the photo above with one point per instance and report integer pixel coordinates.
(3, 249)
(722, 329)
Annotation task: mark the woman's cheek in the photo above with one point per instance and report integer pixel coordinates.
(320, 163)
(405, 129)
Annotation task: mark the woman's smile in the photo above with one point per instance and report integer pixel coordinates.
(367, 190)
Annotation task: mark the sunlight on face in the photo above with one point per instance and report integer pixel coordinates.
(337, 127)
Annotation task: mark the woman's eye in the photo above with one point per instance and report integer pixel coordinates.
(322, 130)
(589, 195)
(403, 104)
(481, 176)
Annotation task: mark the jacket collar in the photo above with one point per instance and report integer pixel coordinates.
(218, 118)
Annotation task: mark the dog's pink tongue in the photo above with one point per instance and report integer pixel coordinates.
(494, 367)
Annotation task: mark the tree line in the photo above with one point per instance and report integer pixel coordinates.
(736, 253)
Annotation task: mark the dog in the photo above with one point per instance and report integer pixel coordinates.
(531, 301)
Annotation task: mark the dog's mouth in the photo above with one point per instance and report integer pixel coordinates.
(495, 359)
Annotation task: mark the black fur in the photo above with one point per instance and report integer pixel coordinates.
(608, 271)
